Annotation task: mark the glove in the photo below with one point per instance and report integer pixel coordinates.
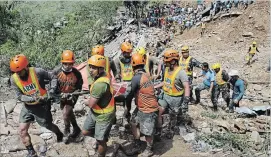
(64, 95)
(185, 104)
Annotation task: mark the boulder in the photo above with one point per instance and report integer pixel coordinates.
(257, 87)
(255, 137)
(189, 137)
(18, 108)
(12, 144)
(10, 105)
(248, 34)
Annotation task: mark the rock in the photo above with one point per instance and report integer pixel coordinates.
(79, 107)
(53, 109)
(257, 87)
(37, 140)
(71, 149)
(18, 108)
(206, 130)
(12, 144)
(223, 124)
(52, 152)
(89, 142)
(6, 130)
(248, 34)
(255, 137)
(189, 137)
(46, 136)
(10, 105)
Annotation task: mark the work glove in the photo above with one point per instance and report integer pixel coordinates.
(186, 100)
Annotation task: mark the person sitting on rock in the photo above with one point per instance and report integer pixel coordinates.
(69, 80)
(29, 84)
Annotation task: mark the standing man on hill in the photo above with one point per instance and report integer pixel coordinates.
(252, 51)
(29, 84)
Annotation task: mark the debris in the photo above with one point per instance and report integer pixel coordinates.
(189, 137)
(255, 137)
(245, 110)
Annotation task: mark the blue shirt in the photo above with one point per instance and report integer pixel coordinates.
(238, 89)
(208, 77)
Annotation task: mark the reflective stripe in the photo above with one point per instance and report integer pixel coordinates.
(252, 50)
(219, 79)
(111, 106)
(126, 71)
(169, 83)
(107, 67)
(184, 65)
(31, 87)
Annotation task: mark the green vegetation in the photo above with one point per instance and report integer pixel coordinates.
(211, 115)
(42, 30)
(220, 140)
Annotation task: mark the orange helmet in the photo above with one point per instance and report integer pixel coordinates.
(138, 59)
(97, 60)
(126, 47)
(18, 63)
(67, 57)
(98, 50)
(170, 54)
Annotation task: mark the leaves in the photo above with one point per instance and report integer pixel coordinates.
(42, 30)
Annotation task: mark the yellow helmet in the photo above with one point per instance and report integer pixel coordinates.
(140, 51)
(185, 48)
(216, 66)
(254, 43)
(97, 60)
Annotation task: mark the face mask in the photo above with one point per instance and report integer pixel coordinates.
(127, 60)
(65, 69)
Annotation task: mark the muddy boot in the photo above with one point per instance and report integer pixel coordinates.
(157, 136)
(31, 151)
(59, 137)
(67, 130)
(136, 149)
(75, 133)
(147, 152)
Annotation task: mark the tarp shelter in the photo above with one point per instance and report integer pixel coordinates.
(119, 88)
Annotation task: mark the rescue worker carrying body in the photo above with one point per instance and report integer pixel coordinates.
(125, 74)
(208, 84)
(69, 81)
(150, 62)
(102, 106)
(145, 116)
(238, 87)
(29, 84)
(222, 78)
(252, 51)
(187, 63)
(175, 86)
(99, 50)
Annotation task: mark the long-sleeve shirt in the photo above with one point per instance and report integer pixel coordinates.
(194, 63)
(42, 76)
(238, 89)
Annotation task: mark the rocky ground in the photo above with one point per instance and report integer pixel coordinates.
(213, 133)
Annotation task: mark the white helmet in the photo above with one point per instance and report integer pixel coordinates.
(234, 73)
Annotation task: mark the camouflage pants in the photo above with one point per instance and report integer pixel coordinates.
(224, 89)
(201, 87)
